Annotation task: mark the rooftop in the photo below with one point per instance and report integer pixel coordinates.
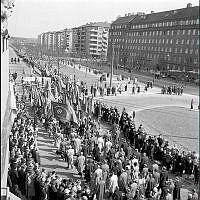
(188, 12)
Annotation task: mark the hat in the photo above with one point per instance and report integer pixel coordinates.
(177, 178)
(155, 189)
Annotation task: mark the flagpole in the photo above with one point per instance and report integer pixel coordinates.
(111, 75)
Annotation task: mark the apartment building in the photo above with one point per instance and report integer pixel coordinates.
(56, 41)
(91, 40)
(160, 41)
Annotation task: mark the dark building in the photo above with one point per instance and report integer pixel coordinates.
(160, 41)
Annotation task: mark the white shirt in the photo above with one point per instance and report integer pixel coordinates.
(108, 145)
(100, 141)
(70, 152)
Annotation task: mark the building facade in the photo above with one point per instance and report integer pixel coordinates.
(157, 41)
(91, 40)
(7, 98)
(56, 42)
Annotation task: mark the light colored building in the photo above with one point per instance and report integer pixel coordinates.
(91, 39)
(56, 42)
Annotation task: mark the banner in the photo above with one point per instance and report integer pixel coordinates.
(61, 111)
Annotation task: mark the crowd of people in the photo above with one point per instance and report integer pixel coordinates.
(15, 60)
(174, 89)
(123, 162)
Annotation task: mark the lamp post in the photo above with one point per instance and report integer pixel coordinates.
(111, 75)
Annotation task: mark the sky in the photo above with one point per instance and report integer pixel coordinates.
(33, 17)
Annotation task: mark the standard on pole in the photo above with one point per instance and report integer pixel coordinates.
(111, 75)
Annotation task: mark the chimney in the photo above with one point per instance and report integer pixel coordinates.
(189, 5)
(152, 12)
(129, 14)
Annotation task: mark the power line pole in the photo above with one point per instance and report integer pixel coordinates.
(111, 75)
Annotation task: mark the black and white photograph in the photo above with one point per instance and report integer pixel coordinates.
(100, 100)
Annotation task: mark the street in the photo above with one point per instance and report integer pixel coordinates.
(169, 115)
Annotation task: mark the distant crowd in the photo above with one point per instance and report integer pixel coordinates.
(174, 89)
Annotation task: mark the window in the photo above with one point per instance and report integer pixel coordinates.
(192, 42)
(166, 41)
(191, 51)
(197, 41)
(171, 41)
(183, 32)
(175, 50)
(186, 50)
(172, 33)
(170, 49)
(178, 32)
(177, 41)
(174, 59)
(181, 50)
(193, 32)
(166, 49)
(189, 32)
(182, 41)
(197, 51)
(188, 41)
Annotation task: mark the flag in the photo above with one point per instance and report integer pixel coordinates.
(61, 111)
(64, 112)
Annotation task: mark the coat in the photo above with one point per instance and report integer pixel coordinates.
(100, 190)
(177, 191)
(81, 163)
(30, 186)
(113, 183)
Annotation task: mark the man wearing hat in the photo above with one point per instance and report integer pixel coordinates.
(163, 180)
(177, 189)
(123, 180)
